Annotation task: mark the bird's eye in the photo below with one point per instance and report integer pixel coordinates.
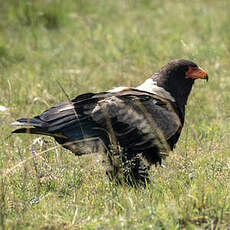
(193, 65)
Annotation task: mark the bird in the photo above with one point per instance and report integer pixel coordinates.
(136, 127)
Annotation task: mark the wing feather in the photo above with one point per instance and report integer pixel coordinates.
(137, 119)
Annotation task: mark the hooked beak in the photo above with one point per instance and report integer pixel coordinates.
(195, 73)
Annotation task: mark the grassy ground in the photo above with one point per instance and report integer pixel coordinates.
(93, 46)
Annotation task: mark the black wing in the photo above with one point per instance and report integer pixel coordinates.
(69, 123)
(135, 119)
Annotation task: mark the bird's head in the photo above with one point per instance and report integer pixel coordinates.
(178, 76)
(181, 68)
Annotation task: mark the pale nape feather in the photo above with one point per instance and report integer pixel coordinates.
(149, 86)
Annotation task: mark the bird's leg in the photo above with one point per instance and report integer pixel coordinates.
(114, 159)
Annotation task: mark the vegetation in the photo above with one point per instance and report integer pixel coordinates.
(92, 46)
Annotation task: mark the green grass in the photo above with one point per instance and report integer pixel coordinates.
(91, 46)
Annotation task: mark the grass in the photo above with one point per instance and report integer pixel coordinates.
(91, 46)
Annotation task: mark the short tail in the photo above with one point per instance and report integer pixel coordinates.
(38, 127)
(28, 122)
(31, 131)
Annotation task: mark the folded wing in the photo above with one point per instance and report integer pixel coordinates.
(134, 119)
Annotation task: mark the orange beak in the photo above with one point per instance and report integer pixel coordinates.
(195, 73)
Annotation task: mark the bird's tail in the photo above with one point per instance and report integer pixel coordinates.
(28, 122)
(31, 131)
(38, 127)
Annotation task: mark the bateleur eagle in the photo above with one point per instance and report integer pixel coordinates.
(135, 127)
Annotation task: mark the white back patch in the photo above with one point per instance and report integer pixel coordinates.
(151, 86)
(118, 89)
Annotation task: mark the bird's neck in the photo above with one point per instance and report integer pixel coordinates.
(151, 86)
(179, 90)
